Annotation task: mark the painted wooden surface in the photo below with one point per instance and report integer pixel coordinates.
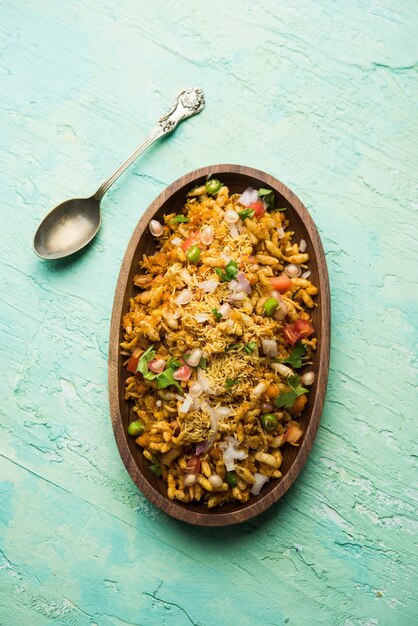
(321, 94)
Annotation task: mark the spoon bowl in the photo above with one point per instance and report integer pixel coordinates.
(67, 228)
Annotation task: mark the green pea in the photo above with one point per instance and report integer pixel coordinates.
(231, 479)
(270, 306)
(269, 422)
(135, 429)
(193, 254)
(213, 185)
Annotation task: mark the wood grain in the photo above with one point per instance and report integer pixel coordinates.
(237, 178)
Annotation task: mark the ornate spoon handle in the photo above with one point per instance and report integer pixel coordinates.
(189, 102)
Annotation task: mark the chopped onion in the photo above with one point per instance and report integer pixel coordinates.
(195, 390)
(215, 480)
(232, 454)
(159, 403)
(186, 277)
(266, 406)
(249, 196)
(183, 373)
(184, 297)
(233, 231)
(176, 241)
(231, 216)
(156, 365)
(302, 245)
(206, 235)
(281, 310)
(184, 408)
(156, 228)
(194, 357)
(240, 283)
(292, 270)
(281, 369)
(200, 447)
(201, 317)
(306, 274)
(190, 480)
(224, 411)
(208, 286)
(280, 232)
(260, 481)
(225, 310)
(269, 347)
(235, 297)
(225, 254)
(203, 381)
(308, 378)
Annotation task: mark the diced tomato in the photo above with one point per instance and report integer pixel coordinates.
(132, 364)
(290, 334)
(193, 465)
(258, 208)
(281, 283)
(303, 327)
(191, 241)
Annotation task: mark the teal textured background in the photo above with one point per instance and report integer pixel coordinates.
(320, 94)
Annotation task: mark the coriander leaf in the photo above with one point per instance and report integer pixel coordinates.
(230, 383)
(246, 213)
(172, 362)
(165, 379)
(203, 363)
(156, 467)
(250, 347)
(142, 366)
(268, 196)
(295, 357)
(218, 316)
(288, 398)
(179, 219)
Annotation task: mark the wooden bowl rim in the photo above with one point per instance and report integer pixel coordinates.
(252, 508)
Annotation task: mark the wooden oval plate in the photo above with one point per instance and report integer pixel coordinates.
(237, 178)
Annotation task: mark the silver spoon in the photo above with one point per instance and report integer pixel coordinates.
(73, 224)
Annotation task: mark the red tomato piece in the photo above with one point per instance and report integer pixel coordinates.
(191, 241)
(281, 283)
(132, 364)
(290, 334)
(193, 465)
(258, 208)
(303, 327)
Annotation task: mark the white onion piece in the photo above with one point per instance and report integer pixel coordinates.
(159, 403)
(302, 245)
(282, 309)
(194, 357)
(156, 365)
(203, 381)
(208, 286)
(231, 216)
(184, 297)
(176, 241)
(184, 408)
(280, 232)
(215, 480)
(240, 283)
(308, 378)
(201, 317)
(195, 390)
(225, 310)
(306, 274)
(292, 270)
(224, 411)
(206, 235)
(233, 231)
(190, 480)
(156, 228)
(186, 277)
(269, 347)
(249, 196)
(260, 481)
(236, 297)
(282, 369)
(232, 454)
